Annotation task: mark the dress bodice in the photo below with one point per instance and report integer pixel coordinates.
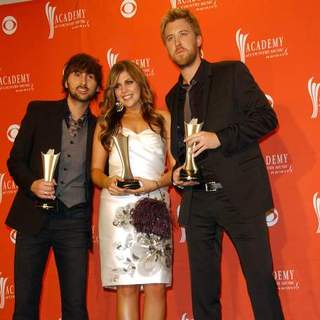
(146, 155)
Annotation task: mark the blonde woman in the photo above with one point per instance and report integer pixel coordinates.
(131, 259)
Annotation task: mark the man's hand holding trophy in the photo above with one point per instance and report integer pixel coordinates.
(189, 171)
(196, 142)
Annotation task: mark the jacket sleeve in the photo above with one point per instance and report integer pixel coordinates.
(19, 159)
(256, 117)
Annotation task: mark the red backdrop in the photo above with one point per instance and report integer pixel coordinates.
(280, 43)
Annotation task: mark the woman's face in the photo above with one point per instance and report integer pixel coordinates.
(127, 91)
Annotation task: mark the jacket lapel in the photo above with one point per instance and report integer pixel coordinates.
(57, 117)
(91, 126)
(206, 93)
(176, 123)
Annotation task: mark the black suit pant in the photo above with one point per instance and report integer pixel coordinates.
(69, 237)
(211, 216)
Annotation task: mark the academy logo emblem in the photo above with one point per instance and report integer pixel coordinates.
(185, 317)
(50, 11)
(1, 185)
(7, 186)
(12, 132)
(3, 283)
(241, 39)
(313, 88)
(269, 48)
(111, 58)
(73, 19)
(316, 206)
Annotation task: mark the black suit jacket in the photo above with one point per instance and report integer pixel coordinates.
(41, 129)
(234, 107)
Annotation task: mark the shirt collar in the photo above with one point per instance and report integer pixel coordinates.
(198, 77)
(81, 121)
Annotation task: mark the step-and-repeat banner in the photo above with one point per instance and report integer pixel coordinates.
(278, 40)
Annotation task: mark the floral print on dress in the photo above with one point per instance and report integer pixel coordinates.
(148, 253)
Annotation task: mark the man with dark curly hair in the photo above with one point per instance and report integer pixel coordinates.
(66, 126)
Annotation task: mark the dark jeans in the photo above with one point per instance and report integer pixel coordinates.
(212, 215)
(68, 234)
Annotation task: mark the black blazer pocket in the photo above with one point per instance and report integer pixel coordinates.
(251, 163)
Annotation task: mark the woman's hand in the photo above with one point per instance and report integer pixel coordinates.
(111, 184)
(146, 186)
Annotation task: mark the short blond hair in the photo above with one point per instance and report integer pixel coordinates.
(179, 13)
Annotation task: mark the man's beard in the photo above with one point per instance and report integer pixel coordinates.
(75, 96)
(186, 60)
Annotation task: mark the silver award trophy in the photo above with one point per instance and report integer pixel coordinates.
(49, 164)
(122, 144)
(190, 171)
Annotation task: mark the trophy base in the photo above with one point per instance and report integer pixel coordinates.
(190, 175)
(129, 184)
(46, 205)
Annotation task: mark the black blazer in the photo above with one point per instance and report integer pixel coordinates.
(234, 107)
(41, 129)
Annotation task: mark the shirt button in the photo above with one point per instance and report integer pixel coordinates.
(71, 142)
(62, 182)
(65, 169)
(69, 155)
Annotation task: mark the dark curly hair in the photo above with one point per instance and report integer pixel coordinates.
(85, 63)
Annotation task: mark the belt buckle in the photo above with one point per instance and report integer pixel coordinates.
(211, 186)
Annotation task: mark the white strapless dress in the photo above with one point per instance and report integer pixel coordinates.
(128, 257)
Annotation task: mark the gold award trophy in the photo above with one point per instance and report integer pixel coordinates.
(190, 171)
(49, 164)
(122, 144)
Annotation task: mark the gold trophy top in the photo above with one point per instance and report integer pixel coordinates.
(192, 127)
